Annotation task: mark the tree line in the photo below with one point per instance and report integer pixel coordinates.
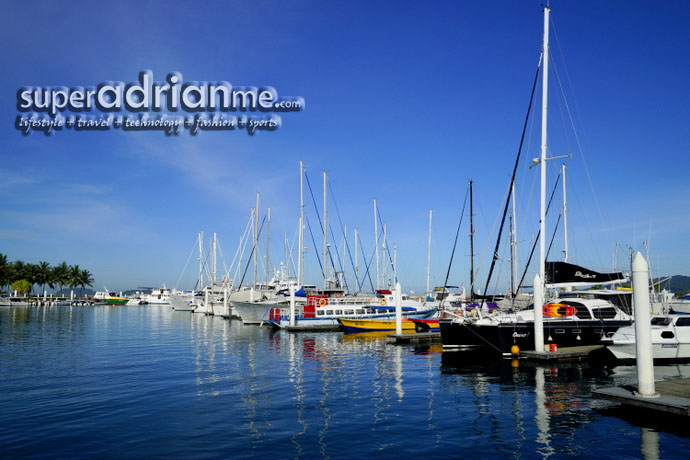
(23, 277)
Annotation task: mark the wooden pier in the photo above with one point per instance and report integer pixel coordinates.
(400, 339)
(674, 396)
(562, 354)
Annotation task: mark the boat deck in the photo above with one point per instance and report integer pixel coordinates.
(674, 396)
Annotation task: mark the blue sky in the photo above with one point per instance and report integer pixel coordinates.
(405, 102)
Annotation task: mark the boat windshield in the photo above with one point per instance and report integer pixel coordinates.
(660, 321)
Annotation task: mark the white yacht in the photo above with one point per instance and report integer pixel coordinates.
(670, 339)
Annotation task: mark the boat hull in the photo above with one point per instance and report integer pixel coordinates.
(116, 301)
(251, 312)
(306, 322)
(182, 303)
(660, 352)
(503, 336)
(369, 325)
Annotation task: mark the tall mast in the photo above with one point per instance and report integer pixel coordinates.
(565, 219)
(214, 260)
(356, 264)
(325, 234)
(300, 256)
(376, 244)
(471, 242)
(539, 292)
(287, 255)
(395, 262)
(384, 247)
(201, 258)
(256, 236)
(428, 256)
(544, 103)
(513, 247)
(268, 243)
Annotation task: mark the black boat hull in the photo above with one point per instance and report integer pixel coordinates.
(502, 336)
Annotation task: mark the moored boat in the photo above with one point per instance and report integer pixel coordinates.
(572, 322)
(670, 339)
(368, 325)
(322, 311)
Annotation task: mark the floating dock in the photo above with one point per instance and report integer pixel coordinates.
(674, 396)
(562, 354)
(416, 337)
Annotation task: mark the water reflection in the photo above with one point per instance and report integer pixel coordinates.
(148, 382)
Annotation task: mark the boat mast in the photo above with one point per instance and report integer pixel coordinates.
(471, 242)
(376, 244)
(287, 255)
(300, 256)
(395, 263)
(201, 258)
(214, 260)
(565, 218)
(513, 247)
(325, 234)
(256, 236)
(538, 314)
(384, 247)
(268, 242)
(356, 264)
(428, 256)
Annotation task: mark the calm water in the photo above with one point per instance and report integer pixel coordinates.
(135, 382)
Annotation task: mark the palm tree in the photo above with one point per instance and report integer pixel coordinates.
(74, 276)
(61, 275)
(85, 279)
(18, 271)
(43, 275)
(4, 271)
(32, 275)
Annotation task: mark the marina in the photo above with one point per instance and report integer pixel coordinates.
(140, 381)
(368, 230)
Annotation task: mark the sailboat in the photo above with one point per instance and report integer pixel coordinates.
(582, 320)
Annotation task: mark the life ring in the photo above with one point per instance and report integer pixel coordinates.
(382, 302)
(323, 302)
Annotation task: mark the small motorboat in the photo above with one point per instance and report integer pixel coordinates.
(670, 339)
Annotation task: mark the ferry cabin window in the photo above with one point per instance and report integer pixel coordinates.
(349, 312)
(580, 310)
(338, 312)
(320, 312)
(604, 313)
(660, 321)
(360, 311)
(683, 322)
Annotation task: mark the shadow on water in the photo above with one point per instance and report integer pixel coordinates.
(640, 418)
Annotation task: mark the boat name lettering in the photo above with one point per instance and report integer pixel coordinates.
(518, 335)
(584, 275)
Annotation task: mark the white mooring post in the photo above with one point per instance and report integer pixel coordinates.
(292, 306)
(398, 309)
(226, 304)
(643, 333)
(538, 314)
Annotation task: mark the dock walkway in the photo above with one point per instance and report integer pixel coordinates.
(562, 354)
(674, 396)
